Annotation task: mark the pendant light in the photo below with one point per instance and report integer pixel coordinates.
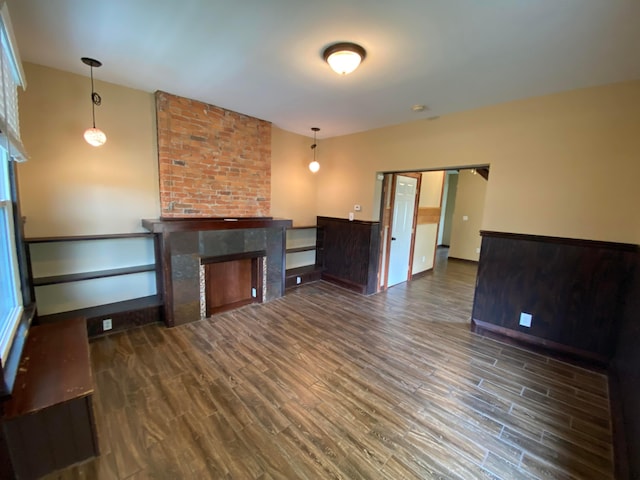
(94, 136)
(314, 166)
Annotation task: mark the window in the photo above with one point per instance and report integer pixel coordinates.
(12, 319)
(10, 294)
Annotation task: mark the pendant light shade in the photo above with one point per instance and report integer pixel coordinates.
(344, 58)
(314, 166)
(94, 136)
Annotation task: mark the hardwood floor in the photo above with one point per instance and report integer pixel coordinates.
(325, 383)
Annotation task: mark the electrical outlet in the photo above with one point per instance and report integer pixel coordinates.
(351, 217)
(254, 292)
(424, 259)
(107, 324)
(298, 280)
(357, 207)
(478, 250)
(525, 319)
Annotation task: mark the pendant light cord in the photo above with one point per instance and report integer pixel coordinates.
(95, 100)
(315, 142)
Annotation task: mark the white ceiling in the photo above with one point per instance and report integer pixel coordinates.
(263, 57)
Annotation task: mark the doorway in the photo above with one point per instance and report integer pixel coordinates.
(412, 232)
(405, 191)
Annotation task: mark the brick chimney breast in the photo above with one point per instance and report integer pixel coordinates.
(212, 162)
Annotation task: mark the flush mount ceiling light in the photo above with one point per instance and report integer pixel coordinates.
(94, 136)
(314, 166)
(344, 57)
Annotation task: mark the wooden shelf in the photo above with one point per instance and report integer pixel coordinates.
(308, 248)
(302, 227)
(307, 274)
(75, 277)
(106, 309)
(77, 238)
(292, 272)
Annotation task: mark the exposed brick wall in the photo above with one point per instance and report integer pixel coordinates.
(213, 162)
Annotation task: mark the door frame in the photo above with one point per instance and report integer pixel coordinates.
(392, 185)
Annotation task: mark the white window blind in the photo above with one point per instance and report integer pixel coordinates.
(11, 77)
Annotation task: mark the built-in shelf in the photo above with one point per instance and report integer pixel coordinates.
(76, 277)
(301, 275)
(297, 274)
(106, 310)
(122, 314)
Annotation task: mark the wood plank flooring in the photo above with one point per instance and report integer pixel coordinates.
(324, 383)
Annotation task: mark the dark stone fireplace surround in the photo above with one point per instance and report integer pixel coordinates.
(185, 242)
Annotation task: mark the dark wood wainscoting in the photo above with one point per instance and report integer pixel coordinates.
(625, 385)
(575, 290)
(350, 253)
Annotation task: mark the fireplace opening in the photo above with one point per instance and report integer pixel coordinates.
(231, 281)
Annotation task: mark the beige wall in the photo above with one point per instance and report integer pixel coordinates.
(293, 186)
(552, 161)
(427, 234)
(448, 206)
(348, 177)
(470, 199)
(70, 188)
(431, 189)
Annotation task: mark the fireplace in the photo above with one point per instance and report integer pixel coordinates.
(231, 281)
(191, 246)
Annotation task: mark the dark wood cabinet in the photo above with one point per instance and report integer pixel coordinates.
(350, 253)
(48, 422)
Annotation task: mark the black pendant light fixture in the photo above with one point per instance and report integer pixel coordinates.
(94, 136)
(314, 166)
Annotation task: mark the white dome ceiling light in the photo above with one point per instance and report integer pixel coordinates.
(344, 57)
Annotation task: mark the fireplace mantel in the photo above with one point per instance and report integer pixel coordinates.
(186, 224)
(186, 243)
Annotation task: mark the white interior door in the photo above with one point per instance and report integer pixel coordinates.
(401, 229)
